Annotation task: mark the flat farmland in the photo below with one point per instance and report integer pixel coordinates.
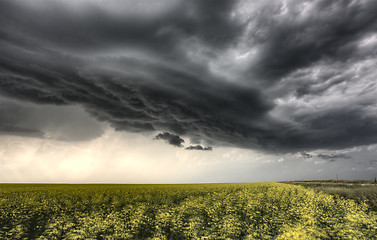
(183, 211)
(361, 191)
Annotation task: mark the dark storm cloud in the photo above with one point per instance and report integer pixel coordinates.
(275, 76)
(309, 32)
(66, 123)
(13, 130)
(171, 139)
(199, 147)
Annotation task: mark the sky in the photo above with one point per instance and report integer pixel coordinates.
(187, 91)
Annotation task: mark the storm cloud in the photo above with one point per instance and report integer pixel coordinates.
(64, 123)
(170, 138)
(281, 76)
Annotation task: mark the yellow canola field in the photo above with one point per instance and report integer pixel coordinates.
(182, 211)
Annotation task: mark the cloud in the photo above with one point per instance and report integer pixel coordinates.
(372, 162)
(171, 139)
(14, 130)
(282, 76)
(199, 147)
(65, 123)
(306, 155)
(333, 157)
(330, 157)
(298, 34)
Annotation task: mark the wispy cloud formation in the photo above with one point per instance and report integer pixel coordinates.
(333, 157)
(199, 147)
(330, 157)
(276, 76)
(306, 155)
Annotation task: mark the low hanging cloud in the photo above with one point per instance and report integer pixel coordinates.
(330, 157)
(274, 76)
(333, 157)
(306, 155)
(65, 123)
(170, 138)
(199, 147)
(20, 131)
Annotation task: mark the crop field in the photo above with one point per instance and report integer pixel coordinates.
(186, 211)
(361, 191)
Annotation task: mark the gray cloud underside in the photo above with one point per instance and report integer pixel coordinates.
(171, 139)
(306, 155)
(65, 123)
(330, 157)
(27, 132)
(273, 76)
(333, 157)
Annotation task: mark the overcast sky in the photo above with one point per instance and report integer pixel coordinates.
(187, 90)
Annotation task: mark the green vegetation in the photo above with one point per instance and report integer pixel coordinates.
(197, 211)
(361, 191)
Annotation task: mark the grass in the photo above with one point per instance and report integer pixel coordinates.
(361, 191)
(187, 211)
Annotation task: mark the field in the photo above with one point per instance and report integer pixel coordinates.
(360, 191)
(192, 211)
